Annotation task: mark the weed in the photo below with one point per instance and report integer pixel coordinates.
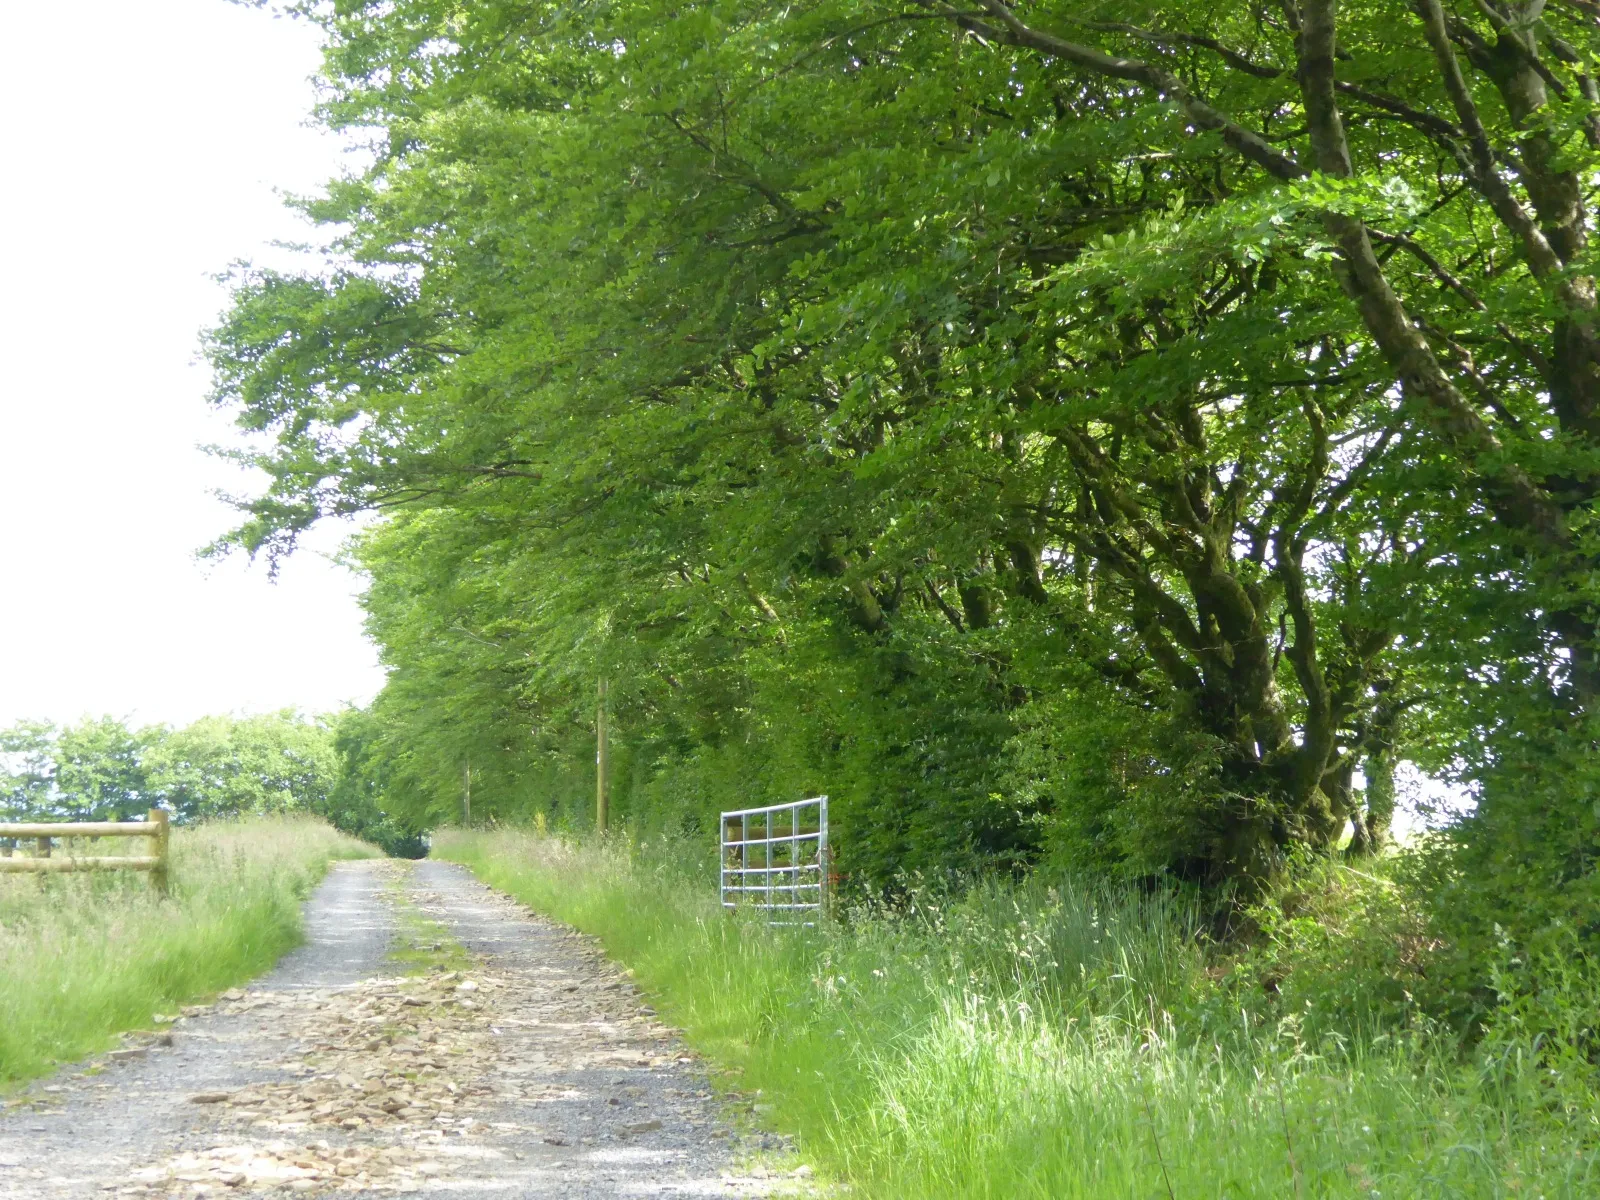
(422, 944)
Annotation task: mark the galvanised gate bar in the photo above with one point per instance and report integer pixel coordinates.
(776, 859)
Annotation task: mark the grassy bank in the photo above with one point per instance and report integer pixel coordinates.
(83, 957)
(1050, 1042)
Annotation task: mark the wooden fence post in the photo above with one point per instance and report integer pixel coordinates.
(162, 840)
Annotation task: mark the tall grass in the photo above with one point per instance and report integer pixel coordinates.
(83, 957)
(1038, 1041)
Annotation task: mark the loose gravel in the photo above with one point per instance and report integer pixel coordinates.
(530, 1068)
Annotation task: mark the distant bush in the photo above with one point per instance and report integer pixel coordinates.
(216, 767)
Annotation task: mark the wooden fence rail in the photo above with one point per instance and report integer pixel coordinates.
(45, 834)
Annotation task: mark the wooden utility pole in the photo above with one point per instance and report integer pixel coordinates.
(466, 794)
(602, 773)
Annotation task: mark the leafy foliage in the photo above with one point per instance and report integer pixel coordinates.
(95, 770)
(1110, 432)
(219, 767)
(227, 766)
(29, 769)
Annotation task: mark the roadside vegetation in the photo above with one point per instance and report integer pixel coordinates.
(1097, 445)
(1112, 457)
(85, 957)
(1067, 1039)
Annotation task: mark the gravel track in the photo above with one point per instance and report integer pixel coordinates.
(537, 1071)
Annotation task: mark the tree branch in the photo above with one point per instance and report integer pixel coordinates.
(950, 614)
(1449, 279)
(1010, 29)
(1163, 37)
(1436, 127)
(1481, 165)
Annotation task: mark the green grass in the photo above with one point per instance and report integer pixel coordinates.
(422, 944)
(84, 957)
(1056, 1042)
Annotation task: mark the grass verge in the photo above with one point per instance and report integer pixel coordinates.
(1048, 1041)
(84, 957)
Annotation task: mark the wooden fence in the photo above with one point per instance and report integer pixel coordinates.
(45, 834)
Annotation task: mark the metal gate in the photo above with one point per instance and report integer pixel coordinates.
(776, 859)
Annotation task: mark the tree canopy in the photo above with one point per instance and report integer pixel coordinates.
(1114, 433)
(219, 767)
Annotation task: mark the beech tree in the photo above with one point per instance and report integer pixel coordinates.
(1051, 429)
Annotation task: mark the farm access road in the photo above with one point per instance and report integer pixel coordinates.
(530, 1068)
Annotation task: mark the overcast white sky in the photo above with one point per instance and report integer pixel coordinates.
(142, 150)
